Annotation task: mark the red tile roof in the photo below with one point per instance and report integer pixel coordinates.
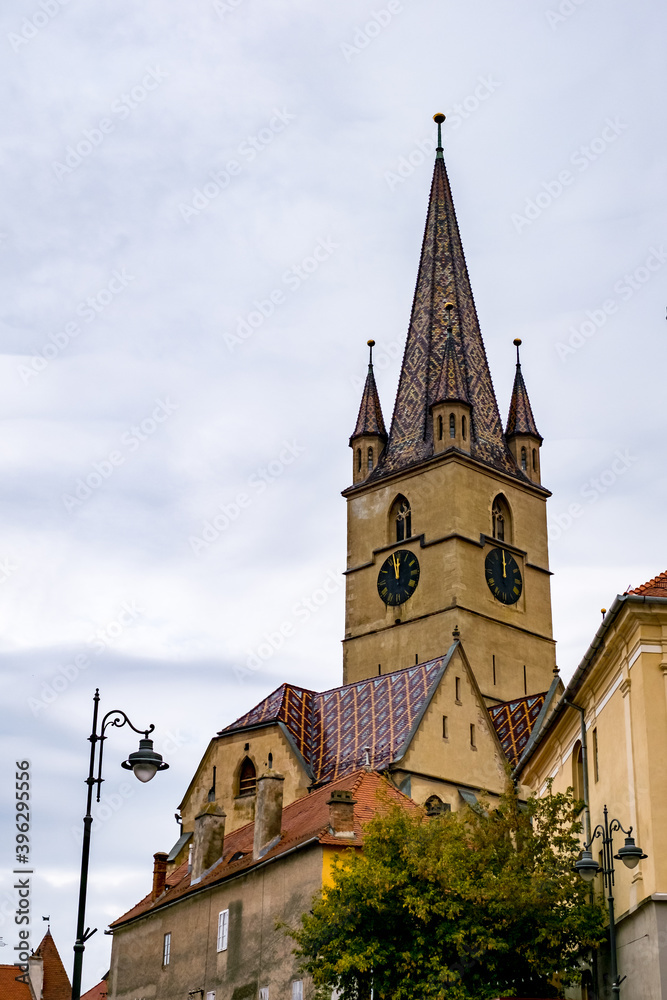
(303, 821)
(514, 721)
(657, 587)
(56, 982)
(9, 988)
(98, 992)
(333, 729)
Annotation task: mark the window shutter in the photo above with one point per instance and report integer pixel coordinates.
(223, 930)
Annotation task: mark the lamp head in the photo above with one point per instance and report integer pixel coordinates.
(587, 867)
(145, 761)
(630, 854)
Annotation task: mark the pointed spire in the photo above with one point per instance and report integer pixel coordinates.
(452, 387)
(443, 278)
(370, 419)
(520, 419)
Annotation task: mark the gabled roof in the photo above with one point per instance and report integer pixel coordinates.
(442, 279)
(520, 418)
(370, 419)
(9, 988)
(304, 822)
(657, 587)
(336, 731)
(452, 386)
(99, 992)
(56, 982)
(513, 721)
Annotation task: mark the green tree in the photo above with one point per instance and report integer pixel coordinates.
(464, 906)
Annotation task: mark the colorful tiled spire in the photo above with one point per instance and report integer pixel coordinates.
(452, 386)
(370, 420)
(443, 277)
(520, 419)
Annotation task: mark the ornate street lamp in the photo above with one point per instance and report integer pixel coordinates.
(630, 854)
(145, 762)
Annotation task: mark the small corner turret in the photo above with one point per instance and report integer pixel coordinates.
(523, 438)
(369, 436)
(450, 410)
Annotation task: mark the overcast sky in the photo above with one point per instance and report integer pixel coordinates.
(207, 209)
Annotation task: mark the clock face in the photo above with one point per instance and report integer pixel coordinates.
(398, 577)
(503, 576)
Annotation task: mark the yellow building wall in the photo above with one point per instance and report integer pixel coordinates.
(451, 501)
(226, 754)
(625, 698)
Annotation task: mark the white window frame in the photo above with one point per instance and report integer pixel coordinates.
(210, 995)
(297, 989)
(166, 948)
(223, 930)
(264, 993)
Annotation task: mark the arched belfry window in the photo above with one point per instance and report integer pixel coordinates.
(501, 519)
(400, 519)
(452, 425)
(524, 460)
(247, 777)
(534, 460)
(464, 428)
(440, 428)
(370, 459)
(358, 459)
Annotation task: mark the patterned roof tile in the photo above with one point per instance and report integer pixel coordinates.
(370, 419)
(520, 419)
(442, 278)
(514, 721)
(336, 730)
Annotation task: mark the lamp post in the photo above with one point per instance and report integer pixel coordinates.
(630, 854)
(144, 762)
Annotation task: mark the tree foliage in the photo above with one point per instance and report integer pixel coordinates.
(464, 906)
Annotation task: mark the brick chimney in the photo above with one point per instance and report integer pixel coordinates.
(208, 839)
(159, 873)
(268, 812)
(341, 813)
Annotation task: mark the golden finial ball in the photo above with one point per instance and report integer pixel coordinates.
(439, 118)
(517, 342)
(370, 343)
(449, 305)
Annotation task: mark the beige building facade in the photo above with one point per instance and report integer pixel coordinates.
(621, 686)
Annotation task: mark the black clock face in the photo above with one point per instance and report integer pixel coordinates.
(503, 576)
(398, 577)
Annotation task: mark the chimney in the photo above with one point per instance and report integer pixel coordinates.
(268, 812)
(208, 839)
(341, 813)
(159, 874)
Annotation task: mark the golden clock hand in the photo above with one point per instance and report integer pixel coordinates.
(504, 567)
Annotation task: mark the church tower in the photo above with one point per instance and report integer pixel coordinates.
(447, 520)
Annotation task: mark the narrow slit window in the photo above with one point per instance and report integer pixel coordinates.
(494, 671)
(445, 727)
(370, 459)
(440, 428)
(596, 763)
(457, 688)
(473, 736)
(452, 425)
(358, 459)
(166, 949)
(524, 460)
(464, 428)
(525, 680)
(534, 460)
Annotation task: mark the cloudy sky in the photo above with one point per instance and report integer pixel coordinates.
(207, 209)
